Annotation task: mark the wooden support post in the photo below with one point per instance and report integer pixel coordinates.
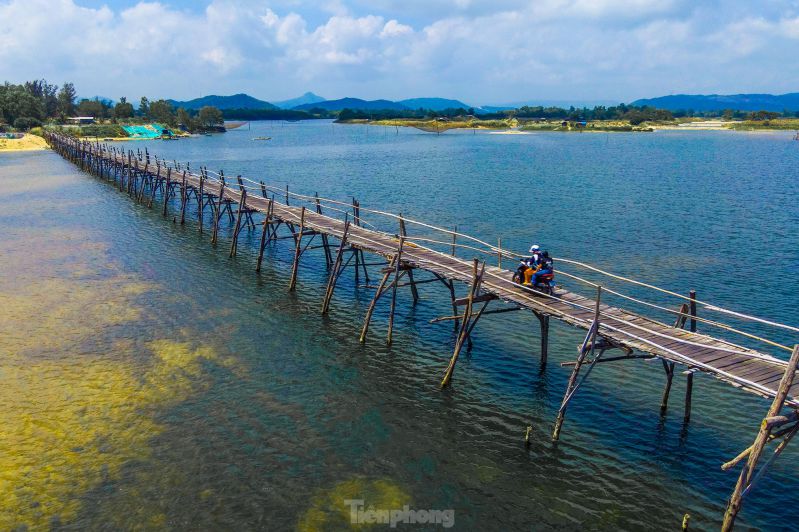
(499, 253)
(668, 367)
(200, 201)
(451, 285)
(335, 271)
(297, 251)
(464, 329)
(183, 199)
(218, 213)
(144, 176)
(372, 304)
(453, 240)
(397, 264)
(167, 189)
(747, 472)
(692, 295)
(154, 185)
(590, 339)
(325, 242)
(543, 319)
(237, 228)
(689, 388)
(414, 290)
(264, 233)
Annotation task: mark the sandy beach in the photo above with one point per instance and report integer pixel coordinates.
(27, 143)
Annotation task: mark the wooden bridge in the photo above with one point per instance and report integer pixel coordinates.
(313, 223)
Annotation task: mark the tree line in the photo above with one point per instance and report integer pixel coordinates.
(34, 103)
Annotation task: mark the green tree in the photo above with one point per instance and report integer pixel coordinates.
(210, 116)
(123, 109)
(183, 117)
(66, 99)
(17, 102)
(94, 108)
(144, 107)
(161, 111)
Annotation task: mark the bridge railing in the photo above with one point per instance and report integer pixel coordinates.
(454, 243)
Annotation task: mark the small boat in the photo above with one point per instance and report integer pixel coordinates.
(262, 138)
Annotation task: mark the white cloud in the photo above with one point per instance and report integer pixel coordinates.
(479, 51)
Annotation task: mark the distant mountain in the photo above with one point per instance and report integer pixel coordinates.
(719, 102)
(355, 104)
(308, 97)
(434, 104)
(237, 101)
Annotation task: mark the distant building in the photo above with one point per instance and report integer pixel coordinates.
(81, 119)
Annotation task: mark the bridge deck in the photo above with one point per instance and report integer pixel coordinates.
(745, 368)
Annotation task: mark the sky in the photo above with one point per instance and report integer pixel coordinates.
(478, 51)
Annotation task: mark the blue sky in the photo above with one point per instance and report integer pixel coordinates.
(477, 51)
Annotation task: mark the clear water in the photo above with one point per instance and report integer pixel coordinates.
(147, 380)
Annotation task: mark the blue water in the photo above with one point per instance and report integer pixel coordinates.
(293, 415)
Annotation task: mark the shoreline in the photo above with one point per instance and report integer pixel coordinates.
(28, 142)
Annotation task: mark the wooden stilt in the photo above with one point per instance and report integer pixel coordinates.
(689, 388)
(464, 329)
(335, 271)
(668, 367)
(397, 264)
(264, 233)
(154, 186)
(451, 285)
(412, 283)
(372, 304)
(200, 201)
(747, 472)
(297, 250)
(590, 340)
(167, 189)
(218, 213)
(543, 319)
(237, 227)
(183, 199)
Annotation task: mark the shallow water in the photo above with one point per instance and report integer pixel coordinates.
(148, 380)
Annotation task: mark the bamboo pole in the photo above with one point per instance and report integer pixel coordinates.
(668, 367)
(297, 252)
(264, 233)
(166, 190)
(183, 198)
(200, 201)
(689, 389)
(372, 304)
(543, 320)
(467, 314)
(584, 350)
(237, 228)
(335, 271)
(736, 499)
(218, 213)
(397, 264)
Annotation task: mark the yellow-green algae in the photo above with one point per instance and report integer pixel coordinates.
(71, 419)
(329, 511)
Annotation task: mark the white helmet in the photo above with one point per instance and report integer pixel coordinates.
(534, 248)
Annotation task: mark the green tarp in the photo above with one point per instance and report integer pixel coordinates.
(147, 131)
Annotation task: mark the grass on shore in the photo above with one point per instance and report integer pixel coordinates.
(778, 124)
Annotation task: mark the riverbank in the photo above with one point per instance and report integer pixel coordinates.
(528, 125)
(27, 143)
